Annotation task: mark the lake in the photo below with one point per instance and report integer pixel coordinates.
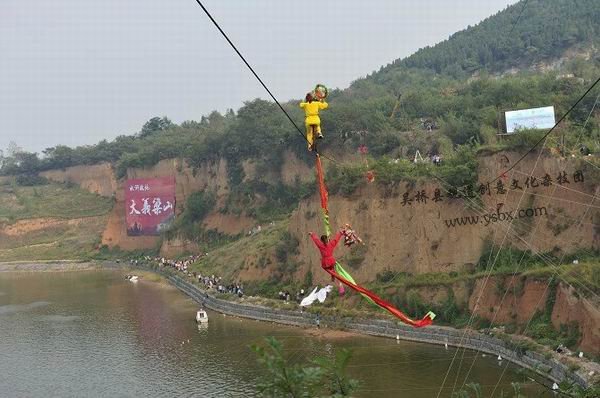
(92, 333)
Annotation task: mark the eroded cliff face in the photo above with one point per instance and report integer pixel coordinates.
(403, 238)
(515, 300)
(572, 307)
(505, 300)
(408, 227)
(211, 176)
(407, 230)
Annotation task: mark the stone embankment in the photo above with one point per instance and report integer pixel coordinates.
(545, 367)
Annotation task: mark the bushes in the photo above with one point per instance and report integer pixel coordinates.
(198, 205)
(524, 139)
(571, 334)
(189, 223)
(287, 246)
(272, 199)
(458, 170)
(596, 277)
(386, 276)
(344, 179)
(414, 304)
(460, 129)
(308, 279)
(324, 376)
(235, 172)
(356, 256)
(449, 312)
(264, 288)
(30, 180)
(507, 258)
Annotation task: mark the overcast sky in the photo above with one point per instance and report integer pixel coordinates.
(77, 71)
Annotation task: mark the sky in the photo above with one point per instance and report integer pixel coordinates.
(74, 72)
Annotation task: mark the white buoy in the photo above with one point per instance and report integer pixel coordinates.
(397, 337)
(554, 387)
(499, 358)
(446, 345)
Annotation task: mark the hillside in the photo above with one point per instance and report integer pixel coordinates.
(431, 230)
(414, 253)
(465, 109)
(525, 34)
(50, 221)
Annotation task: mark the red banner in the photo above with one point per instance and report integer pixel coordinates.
(149, 205)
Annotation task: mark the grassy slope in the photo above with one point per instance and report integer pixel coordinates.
(52, 200)
(228, 260)
(73, 220)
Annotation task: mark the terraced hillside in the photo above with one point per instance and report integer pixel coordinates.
(49, 222)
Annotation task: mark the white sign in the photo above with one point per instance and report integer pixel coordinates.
(534, 118)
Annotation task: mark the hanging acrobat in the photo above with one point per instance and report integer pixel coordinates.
(314, 102)
(350, 236)
(326, 247)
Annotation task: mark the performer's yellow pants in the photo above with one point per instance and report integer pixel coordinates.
(312, 130)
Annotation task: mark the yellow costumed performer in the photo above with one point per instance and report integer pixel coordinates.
(312, 122)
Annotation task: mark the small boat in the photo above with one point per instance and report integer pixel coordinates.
(133, 278)
(201, 316)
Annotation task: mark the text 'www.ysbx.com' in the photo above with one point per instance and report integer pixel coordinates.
(498, 216)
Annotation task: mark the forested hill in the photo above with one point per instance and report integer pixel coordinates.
(434, 88)
(523, 34)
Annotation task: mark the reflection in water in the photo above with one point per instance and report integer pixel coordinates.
(13, 308)
(95, 334)
(202, 327)
(59, 318)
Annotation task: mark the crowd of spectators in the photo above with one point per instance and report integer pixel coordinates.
(285, 295)
(211, 282)
(179, 265)
(216, 282)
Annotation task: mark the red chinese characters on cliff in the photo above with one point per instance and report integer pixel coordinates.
(149, 205)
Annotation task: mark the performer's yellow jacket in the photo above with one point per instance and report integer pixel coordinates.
(311, 111)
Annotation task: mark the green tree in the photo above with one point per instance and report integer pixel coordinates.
(322, 377)
(28, 162)
(154, 125)
(198, 205)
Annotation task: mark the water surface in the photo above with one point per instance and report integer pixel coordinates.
(92, 333)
